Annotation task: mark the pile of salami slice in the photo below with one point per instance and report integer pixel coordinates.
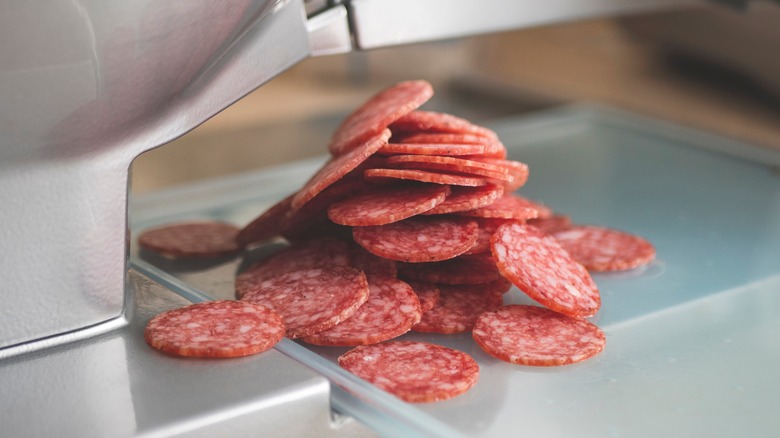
(413, 224)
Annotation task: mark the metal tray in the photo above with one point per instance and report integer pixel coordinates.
(692, 345)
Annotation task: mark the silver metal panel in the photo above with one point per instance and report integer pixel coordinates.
(329, 32)
(380, 23)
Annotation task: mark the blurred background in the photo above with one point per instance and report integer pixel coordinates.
(714, 68)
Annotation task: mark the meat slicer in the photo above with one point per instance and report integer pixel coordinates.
(87, 86)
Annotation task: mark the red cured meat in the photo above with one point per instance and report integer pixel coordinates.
(391, 310)
(416, 372)
(268, 225)
(441, 137)
(378, 113)
(311, 220)
(387, 204)
(381, 175)
(517, 170)
(449, 164)
(417, 121)
(337, 167)
(552, 224)
(206, 239)
(487, 227)
(530, 335)
(537, 264)
(458, 309)
(433, 149)
(363, 260)
(314, 253)
(508, 207)
(419, 239)
(427, 293)
(605, 249)
(312, 300)
(471, 269)
(215, 329)
(467, 198)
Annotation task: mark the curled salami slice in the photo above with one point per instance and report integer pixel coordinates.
(215, 329)
(452, 179)
(427, 293)
(509, 206)
(312, 300)
(378, 113)
(311, 221)
(530, 335)
(419, 239)
(471, 269)
(433, 149)
(487, 227)
(552, 224)
(537, 264)
(417, 121)
(458, 309)
(605, 249)
(517, 170)
(206, 239)
(416, 372)
(338, 167)
(468, 198)
(266, 226)
(363, 260)
(391, 310)
(387, 205)
(441, 138)
(314, 253)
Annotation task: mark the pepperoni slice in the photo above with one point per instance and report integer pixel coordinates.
(487, 227)
(415, 372)
(417, 121)
(337, 167)
(537, 264)
(314, 253)
(433, 149)
(427, 293)
(215, 329)
(312, 300)
(381, 175)
(458, 309)
(206, 239)
(387, 205)
(418, 239)
(441, 138)
(467, 198)
(605, 249)
(266, 226)
(531, 335)
(363, 260)
(391, 310)
(471, 269)
(552, 224)
(378, 113)
(508, 206)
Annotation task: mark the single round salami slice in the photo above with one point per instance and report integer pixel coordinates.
(441, 138)
(338, 167)
(419, 239)
(552, 224)
(471, 269)
(452, 179)
(536, 263)
(467, 198)
(605, 249)
(215, 329)
(415, 372)
(315, 253)
(378, 113)
(385, 205)
(531, 335)
(429, 121)
(509, 206)
(487, 227)
(391, 310)
(433, 149)
(427, 293)
(312, 300)
(266, 226)
(458, 309)
(371, 264)
(206, 239)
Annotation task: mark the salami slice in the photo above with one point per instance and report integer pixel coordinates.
(312, 300)
(467, 198)
(441, 138)
(472, 269)
(605, 249)
(509, 206)
(387, 204)
(537, 264)
(206, 239)
(427, 293)
(487, 227)
(530, 335)
(378, 113)
(314, 253)
(417, 121)
(415, 372)
(215, 329)
(391, 310)
(434, 149)
(266, 226)
(381, 175)
(458, 309)
(419, 239)
(363, 260)
(517, 170)
(337, 167)
(449, 164)
(552, 224)
(311, 220)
